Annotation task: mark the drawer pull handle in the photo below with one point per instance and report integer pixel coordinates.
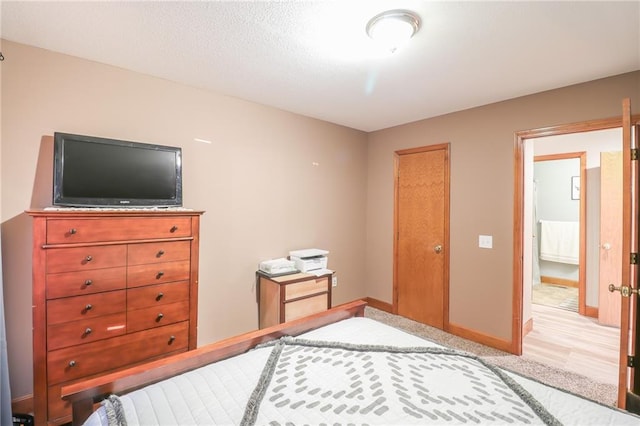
(160, 253)
(73, 231)
(171, 339)
(88, 307)
(159, 317)
(88, 283)
(89, 258)
(88, 331)
(173, 229)
(159, 275)
(72, 363)
(159, 296)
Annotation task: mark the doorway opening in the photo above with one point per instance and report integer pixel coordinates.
(558, 228)
(571, 141)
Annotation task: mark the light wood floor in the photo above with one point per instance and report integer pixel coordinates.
(572, 342)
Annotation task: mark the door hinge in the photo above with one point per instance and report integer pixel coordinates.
(634, 258)
(631, 361)
(634, 154)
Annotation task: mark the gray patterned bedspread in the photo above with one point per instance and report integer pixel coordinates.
(311, 382)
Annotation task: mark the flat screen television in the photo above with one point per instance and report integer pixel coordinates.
(96, 172)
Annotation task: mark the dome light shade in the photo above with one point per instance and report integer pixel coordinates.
(393, 28)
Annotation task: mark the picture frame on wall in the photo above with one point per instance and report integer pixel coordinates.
(575, 187)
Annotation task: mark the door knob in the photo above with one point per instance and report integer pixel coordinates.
(437, 248)
(626, 291)
(606, 246)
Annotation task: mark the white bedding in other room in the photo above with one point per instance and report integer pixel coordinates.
(217, 393)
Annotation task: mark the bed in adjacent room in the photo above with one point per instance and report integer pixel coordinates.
(355, 370)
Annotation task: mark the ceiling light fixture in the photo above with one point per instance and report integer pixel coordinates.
(393, 28)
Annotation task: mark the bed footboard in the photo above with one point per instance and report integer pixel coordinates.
(84, 395)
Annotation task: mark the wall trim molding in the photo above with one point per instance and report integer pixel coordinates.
(484, 339)
(527, 327)
(559, 281)
(379, 304)
(591, 311)
(23, 404)
(465, 333)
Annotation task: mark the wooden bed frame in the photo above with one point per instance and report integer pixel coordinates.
(83, 395)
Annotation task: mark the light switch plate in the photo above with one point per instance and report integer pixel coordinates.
(485, 241)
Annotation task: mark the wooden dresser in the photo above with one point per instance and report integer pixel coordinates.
(110, 290)
(288, 297)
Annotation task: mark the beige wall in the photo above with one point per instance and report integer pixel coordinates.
(261, 191)
(257, 181)
(482, 185)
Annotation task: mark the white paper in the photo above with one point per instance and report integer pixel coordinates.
(318, 272)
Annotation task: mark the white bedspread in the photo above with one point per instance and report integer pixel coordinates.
(218, 393)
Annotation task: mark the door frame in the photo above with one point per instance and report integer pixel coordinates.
(582, 251)
(626, 379)
(518, 208)
(446, 147)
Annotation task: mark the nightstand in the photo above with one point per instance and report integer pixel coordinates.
(287, 297)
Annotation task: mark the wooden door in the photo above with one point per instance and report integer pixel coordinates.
(421, 266)
(629, 375)
(610, 237)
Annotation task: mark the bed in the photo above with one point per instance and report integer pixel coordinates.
(334, 367)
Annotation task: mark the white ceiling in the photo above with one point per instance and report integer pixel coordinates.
(314, 58)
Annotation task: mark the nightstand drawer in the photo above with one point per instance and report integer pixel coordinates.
(89, 306)
(85, 258)
(303, 307)
(78, 283)
(116, 229)
(140, 254)
(157, 316)
(85, 360)
(156, 295)
(85, 331)
(157, 273)
(305, 288)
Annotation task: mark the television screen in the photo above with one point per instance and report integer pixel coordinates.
(97, 172)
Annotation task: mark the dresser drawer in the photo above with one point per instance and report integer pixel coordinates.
(140, 254)
(157, 273)
(116, 229)
(85, 331)
(89, 306)
(306, 288)
(77, 283)
(157, 295)
(157, 316)
(85, 258)
(304, 307)
(92, 358)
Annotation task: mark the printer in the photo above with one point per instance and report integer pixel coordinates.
(308, 260)
(280, 266)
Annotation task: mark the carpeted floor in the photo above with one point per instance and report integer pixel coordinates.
(574, 383)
